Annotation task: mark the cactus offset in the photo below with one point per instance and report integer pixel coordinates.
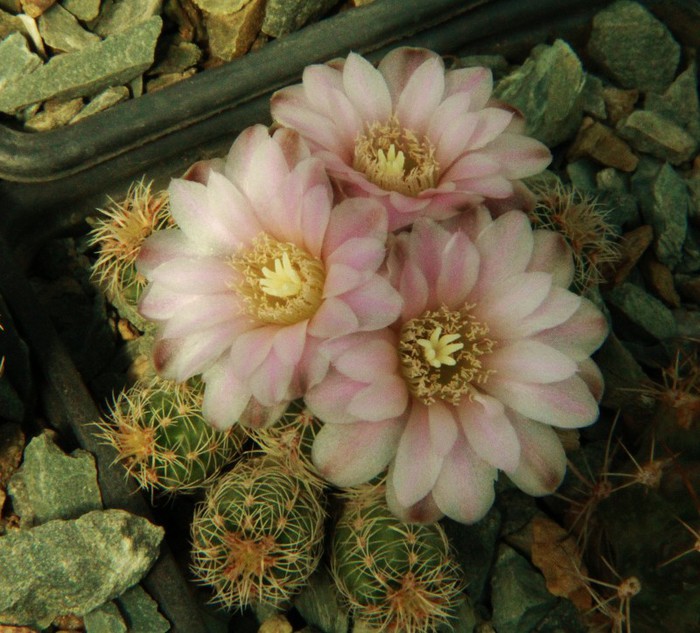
(258, 535)
(394, 576)
(162, 439)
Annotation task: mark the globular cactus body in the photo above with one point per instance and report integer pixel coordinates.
(395, 576)
(258, 535)
(162, 438)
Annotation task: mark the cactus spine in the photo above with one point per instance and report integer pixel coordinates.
(162, 439)
(258, 535)
(395, 576)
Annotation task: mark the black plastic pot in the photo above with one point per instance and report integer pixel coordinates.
(50, 181)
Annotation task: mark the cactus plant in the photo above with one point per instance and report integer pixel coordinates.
(395, 576)
(162, 439)
(258, 535)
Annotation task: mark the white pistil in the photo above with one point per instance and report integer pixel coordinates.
(391, 164)
(284, 281)
(438, 349)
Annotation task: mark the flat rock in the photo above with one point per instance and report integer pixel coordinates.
(168, 79)
(659, 280)
(634, 48)
(592, 97)
(11, 449)
(118, 17)
(221, 7)
(116, 60)
(140, 612)
(73, 566)
(664, 201)
(106, 99)
(52, 485)
(654, 134)
(598, 142)
(178, 58)
(62, 32)
(53, 117)
(548, 90)
(632, 246)
(232, 35)
(85, 10)
(34, 8)
(105, 619)
(287, 16)
(680, 103)
(619, 103)
(16, 60)
(646, 313)
(9, 23)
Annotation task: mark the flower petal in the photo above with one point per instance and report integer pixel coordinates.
(421, 96)
(381, 400)
(365, 87)
(443, 428)
(399, 64)
(531, 361)
(203, 275)
(552, 254)
(225, 397)
(519, 155)
(477, 82)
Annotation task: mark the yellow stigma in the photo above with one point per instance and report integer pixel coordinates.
(395, 159)
(436, 366)
(438, 349)
(279, 282)
(284, 281)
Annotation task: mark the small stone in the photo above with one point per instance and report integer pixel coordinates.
(31, 30)
(651, 318)
(654, 134)
(597, 141)
(548, 90)
(116, 60)
(221, 7)
(126, 14)
(659, 280)
(11, 449)
(631, 248)
(287, 16)
(140, 612)
(106, 99)
(73, 566)
(9, 24)
(105, 619)
(162, 81)
(16, 60)
(69, 623)
(61, 31)
(231, 35)
(52, 485)
(136, 86)
(664, 201)
(34, 8)
(178, 58)
(582, 174)
(519, 596)
(593, 102)
(84, 10)
(276, 624)
(635, 49)
(319, 605)
(60, 114)
(619, 103)
(688, 323)
(680, 103)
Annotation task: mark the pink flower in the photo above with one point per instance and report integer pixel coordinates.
(422, 140)
(261, 270)
(490, 352)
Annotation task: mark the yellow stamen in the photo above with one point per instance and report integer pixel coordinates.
(438, 349)
(284, 281)
(391, 163)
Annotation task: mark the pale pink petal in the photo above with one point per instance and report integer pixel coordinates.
(289, 342)
(589, 372)
(505, 304)
(333, 318)
(398, 66)
(450, 128)
(231, 218)
(158, 303)
(181, 358)
(487, 186)
(369, 359)
(424, 245)
(328, 400)
(366, 89)
(274, 381)
(416, 466)
(243, 149)
(489, 431)
(464, 489)
(375, 303)
(163, 246)
(542, 458)
(200, 171)
(293, 146)
(204, 275)
(477, 82)
(530, 361)
(225, 397)
(340, 279)
(354, 218)
(201, 312)
(566, 404)
(423, 511)
(351, 454)
(470, 166)
(460, 265)
(351, 264)
(505, 249)
(491, 123)
(552, 254)
(251, 348)
(520, 156)
(559, 306)
(581, 335)
(383, 399)
(421, 96)
(443, 428)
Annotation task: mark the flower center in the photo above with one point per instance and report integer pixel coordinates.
(281, 283)
(395, 159)
(440, 353)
